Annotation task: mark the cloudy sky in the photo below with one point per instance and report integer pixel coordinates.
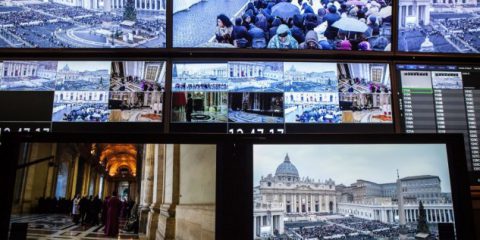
(311, 66)
(347, 163)
(86, 65)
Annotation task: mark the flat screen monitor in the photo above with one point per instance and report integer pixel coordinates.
(279, 97)
(314, 25)
(438, 26)
(93, 187)
(78, 92)
(83, 24)
(355, 191)
(441, 99)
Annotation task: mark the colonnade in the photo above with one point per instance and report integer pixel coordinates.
(309, 203)
(152, 5)
(439, 213)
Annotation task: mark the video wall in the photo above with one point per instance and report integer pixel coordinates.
(77, 92)
(279, 96)
(356, 25)
(442, 99)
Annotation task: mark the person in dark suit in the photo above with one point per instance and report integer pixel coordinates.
(189, 108)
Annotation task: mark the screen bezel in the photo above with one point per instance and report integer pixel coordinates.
(456, 163)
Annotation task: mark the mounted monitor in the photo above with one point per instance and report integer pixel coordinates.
(280, 97)
(358, 190)
(442, 99)
(315, 25)
(87, 186)
(83, 24)
(81, 92)
(438, 26)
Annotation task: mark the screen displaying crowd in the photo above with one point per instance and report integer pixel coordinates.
(439, 26)
(363, 25)
(82, 24)
(281, 92)
(316, 191)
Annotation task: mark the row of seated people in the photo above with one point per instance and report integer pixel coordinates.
(87, 113)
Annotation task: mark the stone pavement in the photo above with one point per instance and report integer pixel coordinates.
(197, 25)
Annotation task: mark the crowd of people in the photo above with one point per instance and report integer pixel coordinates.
(90, 210)
(122, 84)
(362, 224)
(60, 10)
(152, 27)
(319, 114)
(310, 26)
(93, 112)
(324, 230)
(357, 84)
(36, 24)
(23, 17)
(41, 34)
(462, 29)
(469, 30)
(200, 87)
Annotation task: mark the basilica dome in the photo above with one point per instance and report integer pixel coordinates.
(287, 170)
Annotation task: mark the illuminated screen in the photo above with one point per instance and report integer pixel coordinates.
(442, 99)
(320, 25)
(83, 24)
(438, 26)
(281, 92)
(89, 91)
(93, 189)
(350, 192)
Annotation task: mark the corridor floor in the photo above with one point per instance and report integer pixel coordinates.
(54, 226)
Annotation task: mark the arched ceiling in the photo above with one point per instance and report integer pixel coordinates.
(119, 156)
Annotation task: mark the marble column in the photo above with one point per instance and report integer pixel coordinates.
(171, 193)
(327, 203)
(147, 184)
(294, 203)
(159, 156)
(254, 227)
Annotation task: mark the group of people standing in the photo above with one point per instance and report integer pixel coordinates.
(88, 211)
(309, 27)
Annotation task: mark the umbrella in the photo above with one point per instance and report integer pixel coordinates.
(385, 12)
(350, 25)
(285, 10)
(355, 2)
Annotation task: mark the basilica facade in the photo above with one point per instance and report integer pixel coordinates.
(286, 196)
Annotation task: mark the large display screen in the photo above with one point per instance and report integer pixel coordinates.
(93, 189)
(351, 192)
(83, 24)
(279, 95)
(84, 91)
(442, 99)
(320, 25)
(438, 26)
